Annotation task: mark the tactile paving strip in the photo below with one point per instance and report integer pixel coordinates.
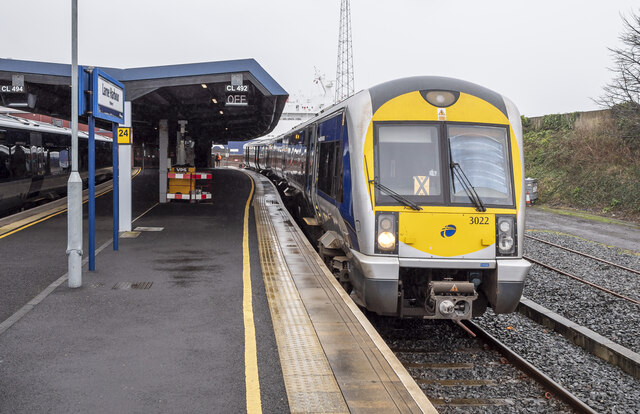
(309, 380)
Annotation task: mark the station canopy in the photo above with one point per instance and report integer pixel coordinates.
(234, 100)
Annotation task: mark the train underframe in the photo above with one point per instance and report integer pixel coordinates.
(381, 285)
(417, 292)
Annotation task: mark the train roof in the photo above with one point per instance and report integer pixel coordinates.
(388, 90)
(384, 92)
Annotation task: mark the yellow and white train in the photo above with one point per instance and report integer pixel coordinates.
(416, 187)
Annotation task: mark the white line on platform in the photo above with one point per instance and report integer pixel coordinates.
(11, 320)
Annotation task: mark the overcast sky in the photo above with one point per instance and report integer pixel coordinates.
(546, 56)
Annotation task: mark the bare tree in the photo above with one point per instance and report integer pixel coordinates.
(622, 94)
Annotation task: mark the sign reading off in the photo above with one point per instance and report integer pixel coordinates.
(236, 100)
(236, 91)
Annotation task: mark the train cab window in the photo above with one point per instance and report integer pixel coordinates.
(483, 154)
(407, 161)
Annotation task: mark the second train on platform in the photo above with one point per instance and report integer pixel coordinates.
(35, 162)
(416, 190)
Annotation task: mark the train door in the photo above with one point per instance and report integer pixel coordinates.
(311, 192)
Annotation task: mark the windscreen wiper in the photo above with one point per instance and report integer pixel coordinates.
(395, 195)
(458, 173)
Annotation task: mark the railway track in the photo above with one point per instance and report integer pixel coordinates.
(581, 279)
(628, 269)
(459, 373)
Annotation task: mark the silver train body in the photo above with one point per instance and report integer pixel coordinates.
(415, 190)
(35, 162)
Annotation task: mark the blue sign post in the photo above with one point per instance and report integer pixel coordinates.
(101, 96)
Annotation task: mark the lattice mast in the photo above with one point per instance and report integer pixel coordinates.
(344, 71)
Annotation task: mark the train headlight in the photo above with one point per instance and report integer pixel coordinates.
(386, 232)
(505, 226)
(506, 236)
(440, 99)
(386, 224)
(386, 240)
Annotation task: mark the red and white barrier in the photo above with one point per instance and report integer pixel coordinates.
(188, 176)
(201, 196)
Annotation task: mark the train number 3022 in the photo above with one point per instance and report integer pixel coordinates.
(478, 220)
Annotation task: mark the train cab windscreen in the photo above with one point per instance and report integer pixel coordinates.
(408, 163)
(482, 152)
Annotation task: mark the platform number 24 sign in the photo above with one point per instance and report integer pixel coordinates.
(124, 135)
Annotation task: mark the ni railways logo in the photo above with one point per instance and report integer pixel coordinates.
(448, 231)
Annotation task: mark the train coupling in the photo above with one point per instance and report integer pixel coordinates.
(451, 299)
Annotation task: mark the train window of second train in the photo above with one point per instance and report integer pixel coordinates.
(408, 162)
(5, 157)
(483, 154)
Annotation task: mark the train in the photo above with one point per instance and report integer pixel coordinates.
(414, 190)
(35, 162)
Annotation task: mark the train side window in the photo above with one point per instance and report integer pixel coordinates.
(19, 162)
(65, 162)
(327, 167)
(5, 162)
(5, 157)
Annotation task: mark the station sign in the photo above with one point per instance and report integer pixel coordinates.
(12, 89)
(100, 95)
(125, 135)
(108, 97)
(237, 100)
(17, 85)
(236, 95)
(237, 88)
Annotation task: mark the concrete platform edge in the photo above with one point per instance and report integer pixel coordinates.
(412, 387)
(592, 342)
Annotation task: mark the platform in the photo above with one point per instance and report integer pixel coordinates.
(167, 323)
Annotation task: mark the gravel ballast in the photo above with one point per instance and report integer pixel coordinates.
(600, 385)
(442, 343)
(611, 317)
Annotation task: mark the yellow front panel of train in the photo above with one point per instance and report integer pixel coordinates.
(468, 109)
(447, 234)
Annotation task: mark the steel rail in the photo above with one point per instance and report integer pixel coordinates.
(531, 370)
(584, 254)
(586, 282)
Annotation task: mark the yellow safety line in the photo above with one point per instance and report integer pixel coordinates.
(252, 380)
(31, 224)
(59, 212)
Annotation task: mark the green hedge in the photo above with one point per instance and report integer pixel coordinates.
(594, 170)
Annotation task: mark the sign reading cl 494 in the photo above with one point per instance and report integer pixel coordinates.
(12, 89)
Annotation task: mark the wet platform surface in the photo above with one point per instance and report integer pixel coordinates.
(160, 325)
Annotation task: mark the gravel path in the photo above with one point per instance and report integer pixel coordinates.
(612, 317)
(603, 387)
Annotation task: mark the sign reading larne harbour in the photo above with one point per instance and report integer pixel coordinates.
(110, 98)
(106, 95)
